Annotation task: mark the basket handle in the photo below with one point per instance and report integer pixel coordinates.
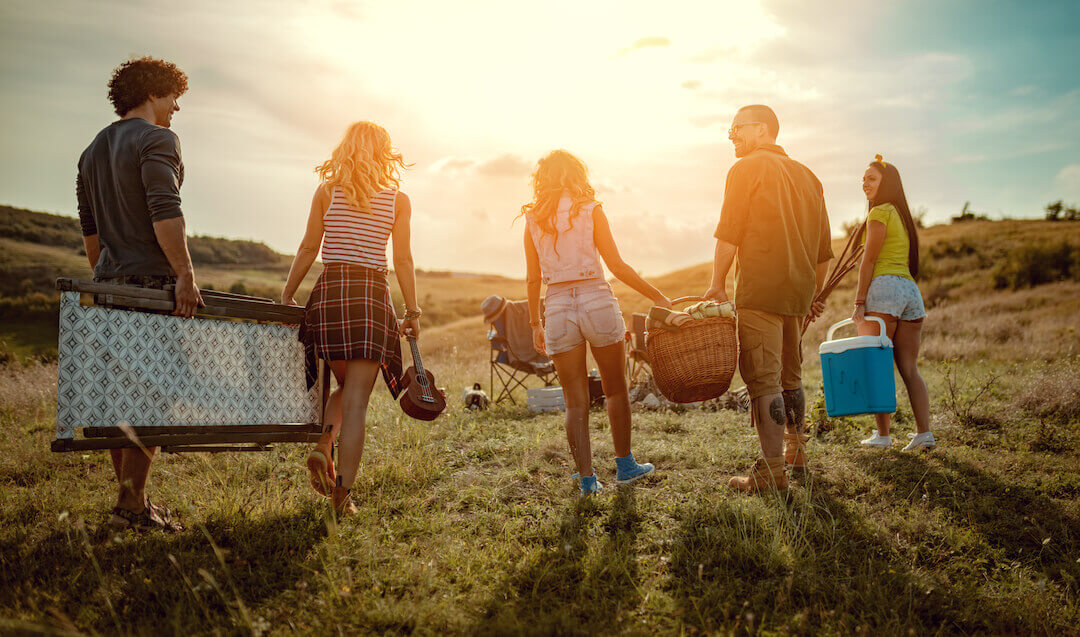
(687, 299)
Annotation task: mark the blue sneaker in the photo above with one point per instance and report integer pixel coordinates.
(627, 469)
(590, 486)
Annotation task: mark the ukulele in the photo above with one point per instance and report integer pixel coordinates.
(420, 399)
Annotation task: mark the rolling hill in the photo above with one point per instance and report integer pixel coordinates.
(1012, 286)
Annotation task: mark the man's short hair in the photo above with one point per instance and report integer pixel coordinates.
(765, 115)
(136, 81)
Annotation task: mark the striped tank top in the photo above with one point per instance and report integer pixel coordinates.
(357, 237)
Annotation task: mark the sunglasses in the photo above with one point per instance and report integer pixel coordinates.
(735, 127)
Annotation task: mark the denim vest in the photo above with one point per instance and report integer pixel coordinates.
(573, 256)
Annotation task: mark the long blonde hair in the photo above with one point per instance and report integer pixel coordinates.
(362, 164)
(557, 172)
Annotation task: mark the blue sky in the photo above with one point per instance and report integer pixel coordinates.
(973, 101)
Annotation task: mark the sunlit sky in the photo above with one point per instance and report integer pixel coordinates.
(974, 100)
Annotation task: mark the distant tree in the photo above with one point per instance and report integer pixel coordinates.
(1072, 213)
(238, 288)
(919, 216)
(967, 214)
(1053, 210)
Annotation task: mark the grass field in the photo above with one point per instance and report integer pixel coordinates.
(469, 524)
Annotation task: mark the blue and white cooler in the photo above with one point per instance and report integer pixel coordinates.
(858, 372)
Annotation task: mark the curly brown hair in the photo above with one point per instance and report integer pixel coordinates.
(136, 81)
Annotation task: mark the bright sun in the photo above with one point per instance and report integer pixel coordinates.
(526, 78)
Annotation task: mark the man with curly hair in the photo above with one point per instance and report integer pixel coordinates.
(128, 188)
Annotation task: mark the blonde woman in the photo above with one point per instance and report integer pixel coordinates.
(566, 235)
(356, 210)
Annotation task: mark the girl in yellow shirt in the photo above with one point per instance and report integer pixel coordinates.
(887, 290)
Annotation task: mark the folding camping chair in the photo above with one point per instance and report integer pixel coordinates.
(513, 358)
(231, 379)
(637, 357)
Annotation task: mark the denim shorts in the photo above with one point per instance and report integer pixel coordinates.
(895, 295)
(581, 311)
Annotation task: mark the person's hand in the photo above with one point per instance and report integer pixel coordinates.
(663, 301)
(187, 296)
(538, 340)
(816, 309)
(409, 327)
(859, 315)
(287, 299)
(716, 294)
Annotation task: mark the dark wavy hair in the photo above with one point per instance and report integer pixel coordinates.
(891, 191)
(136, 81)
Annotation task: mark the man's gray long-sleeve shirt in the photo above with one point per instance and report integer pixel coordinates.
(129, 177)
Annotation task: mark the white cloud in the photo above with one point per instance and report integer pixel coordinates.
(1067, 182)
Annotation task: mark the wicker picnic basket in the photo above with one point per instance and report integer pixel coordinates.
(695, 362)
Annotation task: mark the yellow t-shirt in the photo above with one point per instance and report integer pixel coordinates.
(893, 258)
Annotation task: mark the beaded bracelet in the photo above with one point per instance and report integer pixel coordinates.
(413, 314)
(859, 302)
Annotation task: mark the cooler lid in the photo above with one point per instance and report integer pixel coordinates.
(855, 342)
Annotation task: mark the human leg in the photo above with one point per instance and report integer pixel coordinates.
(617, 401)
(360, 375)
(872, 328)
(616, 398)
(320, 464)
(794, 399)
(571, 368)
(117, 457)
(760, 365)
(134, 472)
(908, 336)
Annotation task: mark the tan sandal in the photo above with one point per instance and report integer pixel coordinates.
(319, 473)
(342, 498)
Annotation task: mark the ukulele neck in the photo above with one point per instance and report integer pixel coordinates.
(421, 376)
(419, 364)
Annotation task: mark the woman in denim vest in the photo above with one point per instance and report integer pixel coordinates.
(566, 235)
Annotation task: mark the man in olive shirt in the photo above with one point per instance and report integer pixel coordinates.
(774, 226)
(128, 188)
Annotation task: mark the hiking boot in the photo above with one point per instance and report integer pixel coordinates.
(767, 473)
(878, 441)
(925, 440)
(795, 454)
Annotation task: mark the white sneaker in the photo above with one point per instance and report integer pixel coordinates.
(877, 440)
(921, 441)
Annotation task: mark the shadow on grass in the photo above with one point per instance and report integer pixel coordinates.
(155, 581)
(810, 562)
(1018, 522)
(563, 589)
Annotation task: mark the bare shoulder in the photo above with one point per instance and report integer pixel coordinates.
(402, 203)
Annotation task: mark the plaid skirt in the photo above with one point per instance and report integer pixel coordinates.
(350, 316)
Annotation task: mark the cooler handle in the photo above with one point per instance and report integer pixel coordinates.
(885, 342)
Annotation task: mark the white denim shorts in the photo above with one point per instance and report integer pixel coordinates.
(581, 311)
(895, 295)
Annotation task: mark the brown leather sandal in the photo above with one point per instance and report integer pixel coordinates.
(151, 517)
(319, 473)
(342, 499)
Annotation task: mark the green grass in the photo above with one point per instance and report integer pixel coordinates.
(28, 340)
(470, 525)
